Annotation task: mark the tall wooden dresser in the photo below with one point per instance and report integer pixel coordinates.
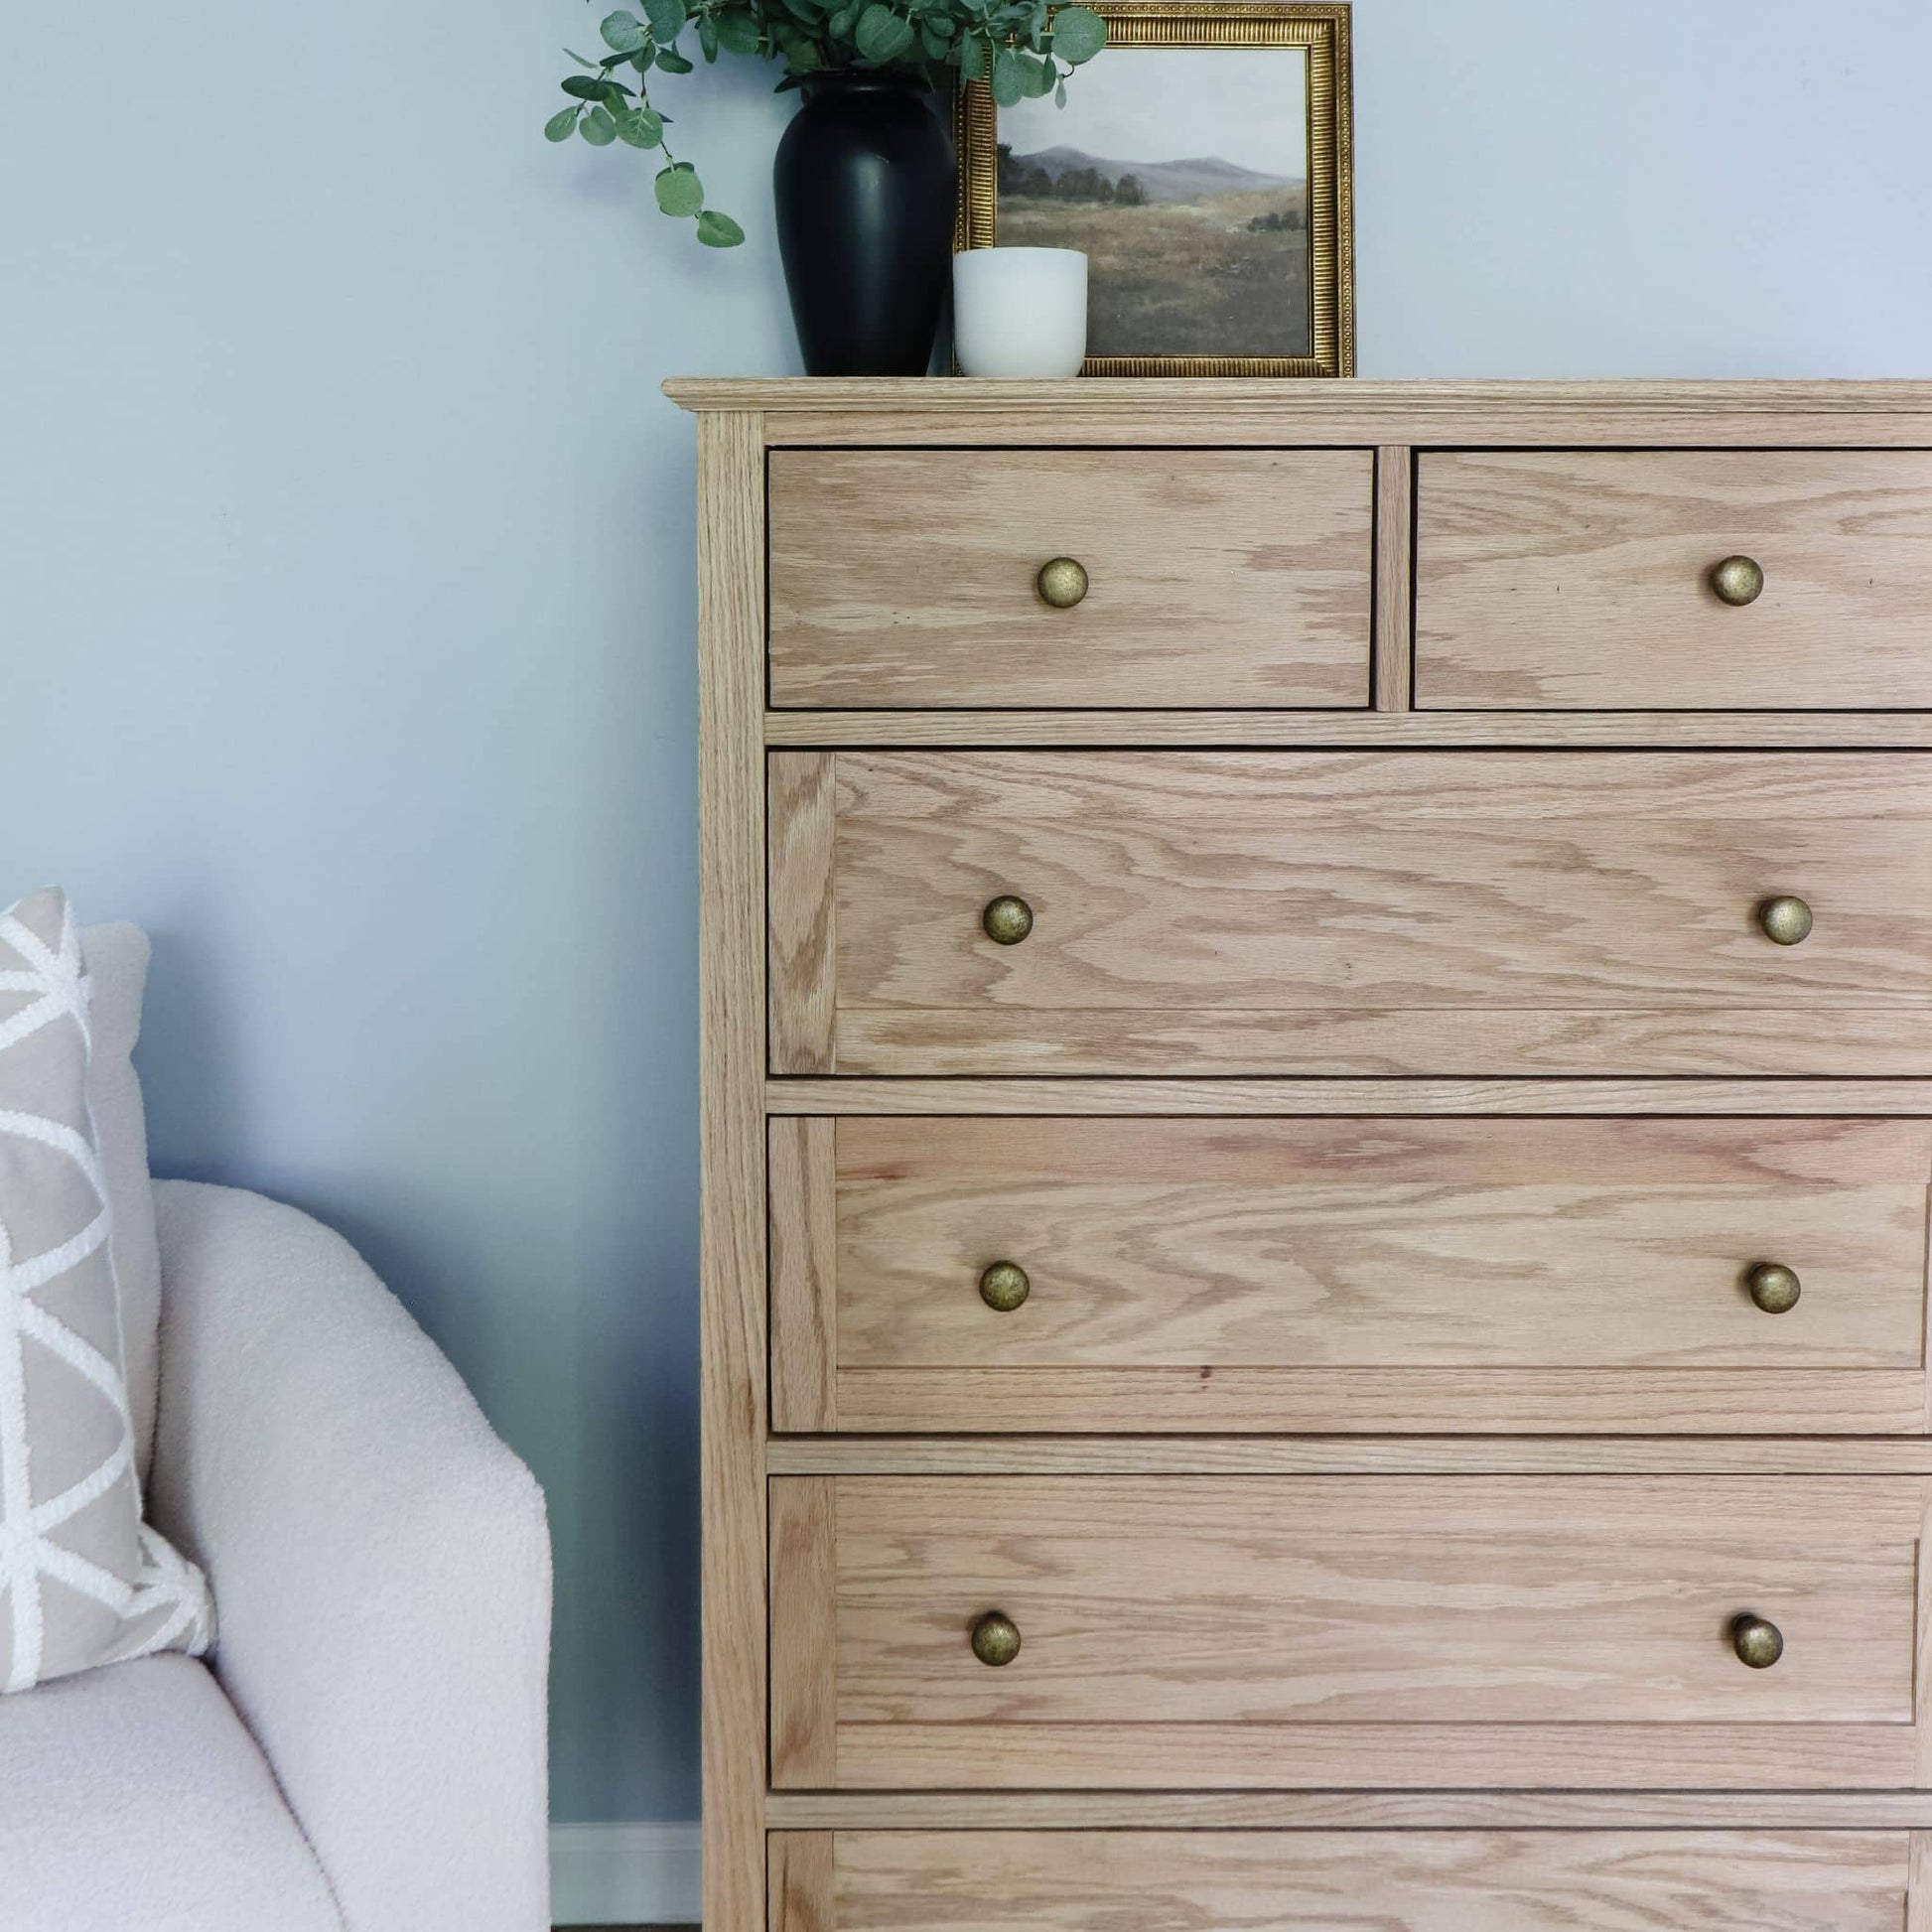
(1317, 1120)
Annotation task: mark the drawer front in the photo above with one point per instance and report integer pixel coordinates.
(909, 578)
(1583, 582)
(1403, 1276)
(1392, 1881)
(1397, 1633)
(1336, 913)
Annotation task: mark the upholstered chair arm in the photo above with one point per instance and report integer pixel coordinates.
(379, 1560)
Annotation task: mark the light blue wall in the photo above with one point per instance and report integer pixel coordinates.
(345, 603)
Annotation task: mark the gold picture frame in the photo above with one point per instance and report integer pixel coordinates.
(1323, 31)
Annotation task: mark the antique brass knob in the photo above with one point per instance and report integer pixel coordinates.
(1786, 919)
(1061, 582)
(995, 1639)
(1773, 1286)
(1003, 1286)
(1738, 580)
(1007, 920)
(1757, 1642)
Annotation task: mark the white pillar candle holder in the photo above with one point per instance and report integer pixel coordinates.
(1019, 311)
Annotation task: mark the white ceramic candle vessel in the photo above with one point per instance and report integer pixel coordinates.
(1019, 311)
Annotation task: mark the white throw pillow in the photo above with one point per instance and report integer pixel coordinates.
(82, 1580)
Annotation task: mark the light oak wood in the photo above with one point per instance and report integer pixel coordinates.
(905, 579)
(1384, 1454)
(805, 1632)
(1361, 731)
(804, 1276)
(803, 932)
(1409, 1275)
(1292, 1631)
(1229, 413)
(731, 1133)
(1581, 579)
(1503, 1097)
(1830, 1067)
(1394, 915)
(1490, 1882)
(1298, 1811)
(1395, 556)
(799, 1898)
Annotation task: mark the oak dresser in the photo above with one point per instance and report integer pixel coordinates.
(1317, 1120)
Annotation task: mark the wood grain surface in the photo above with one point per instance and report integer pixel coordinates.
(1296, 1630)
(1581, 579)
(1352, 1810)
(1137, 1454)
(730, 1136)
(1251, 1881)
(1391, 731)
(1223, 413)
(906, 578)
(1336, 914)
(1216, 1275)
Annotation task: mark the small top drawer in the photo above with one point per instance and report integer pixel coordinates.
(1586, 581)
(912, 578)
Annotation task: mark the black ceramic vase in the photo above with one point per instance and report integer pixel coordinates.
(864, 187)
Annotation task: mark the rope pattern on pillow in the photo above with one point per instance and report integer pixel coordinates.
(63, 1395)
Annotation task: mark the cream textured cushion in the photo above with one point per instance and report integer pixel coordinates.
(82, 1582)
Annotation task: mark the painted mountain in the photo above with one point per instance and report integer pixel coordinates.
(1199, 180)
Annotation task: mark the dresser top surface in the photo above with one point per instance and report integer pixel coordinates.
(932, 410)
(1288, 399)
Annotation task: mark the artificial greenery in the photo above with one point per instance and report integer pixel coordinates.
(1023, 49)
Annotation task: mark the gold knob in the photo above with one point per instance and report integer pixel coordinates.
(1007, 920)
(1061, 582)
(1004, 1285)
(995, 1639)
(1757, 1642)
(1738, 580)
(1773, 1286)
(1786, 919)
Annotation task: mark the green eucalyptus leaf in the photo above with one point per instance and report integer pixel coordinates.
(672, 61)
(717, 230)
(737, 32)
(562, 124)
(1078, 35)
(1039, 76)
(1008, 80)
(642, 127)
(624, 33)
(801, 59)
(666, 19)
(614, 96)
(598, 127)
(1059, 94)
(708, 37)
(972, 59)
(583, 86)
(580, 62)
(679, 192)
(883, 36)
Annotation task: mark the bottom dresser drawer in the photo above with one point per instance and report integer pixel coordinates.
(1408, 1882)
(1305, 1632)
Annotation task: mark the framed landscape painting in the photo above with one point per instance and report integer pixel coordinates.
(1203, 164)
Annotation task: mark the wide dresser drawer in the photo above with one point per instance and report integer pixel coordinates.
(1578, 581)
(1387, 1881)
(957, 912)
(1113, 1632)
(1207, 578)
(1391, 1275)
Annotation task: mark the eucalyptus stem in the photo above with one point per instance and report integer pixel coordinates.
(1022, 49)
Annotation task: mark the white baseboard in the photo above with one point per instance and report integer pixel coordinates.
(624, 1874)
